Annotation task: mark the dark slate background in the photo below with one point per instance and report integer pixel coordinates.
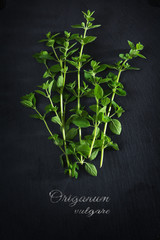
(29, 165)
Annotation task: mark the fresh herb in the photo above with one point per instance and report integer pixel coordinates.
(65, 58)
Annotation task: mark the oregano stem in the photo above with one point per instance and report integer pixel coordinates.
(79, 78)
(63, 128)
(62, 116)
(61, 104)
(109, 111)
(55, 53)
(95, 128)
(42, 118)
(51, 102)
(79, 83)
(106, 124)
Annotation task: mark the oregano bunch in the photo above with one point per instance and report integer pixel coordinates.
(70, 75)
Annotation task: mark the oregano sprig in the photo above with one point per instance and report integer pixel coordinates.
(65, 56)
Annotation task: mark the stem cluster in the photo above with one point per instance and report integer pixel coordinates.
(64, 96)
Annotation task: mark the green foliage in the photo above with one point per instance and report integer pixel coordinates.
(60, 82)
(81, 122)
(94, 154)
(115, 126)
(57, 120)
(91, 169)
(98, 91)
(29, 100)
(71, 133)
(101, 83)
(83, 149)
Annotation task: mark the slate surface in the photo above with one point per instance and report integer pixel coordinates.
(29, 165)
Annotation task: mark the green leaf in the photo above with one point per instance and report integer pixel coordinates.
(93, 108)
(121, 55)
(121, 92)
(94, 26)
(71, 46)
(94, 154)
(133, 53)
(98, 143)
(107, 139)
(48, 34)
(50, 108)
(115, 105)
(98, 91)
(89, 93)
(67, 34)
(44, 86)
(71, 133)
(86, 56)
(74, 36)
(91, 169)
(71, 52)
(120, 111)
(35, 116)
(69, 151)
(60, 82)
(61, 159)
(139, 46)
(77, 26)
(100, 116)
(105, 101)
(97, 132)
(58, 141)
(91, 19)
(50, 86)
(29, 97)
(75, 64)
(54, 136)
(50, 42)
(43, 40)
(128, 56)
(141, 56)
(132, 68)
(114, 146)
(115, 126)
(60, 40)
(106, 119)
(27, 103)
(46, 74)
(94, 64)
(131, 44)
(111, 66)
(53, 36)
(87, 75)
(45, 55)
(71, 99)
(103, 110)
(55, 68)
(101, 68)
(104, 80)
(74, 173)
(83, 149)
(56, 119)
(89, 39)
(81, 122)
